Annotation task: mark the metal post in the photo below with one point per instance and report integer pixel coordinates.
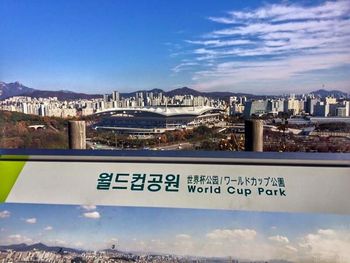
(77, 135)
(254, 135)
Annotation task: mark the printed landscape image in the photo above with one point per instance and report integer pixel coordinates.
(66, 233)
(175, 75)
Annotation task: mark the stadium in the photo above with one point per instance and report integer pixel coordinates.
(156, 120)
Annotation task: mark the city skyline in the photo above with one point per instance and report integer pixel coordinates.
(222, 46)
(180, 89)
(196, 232)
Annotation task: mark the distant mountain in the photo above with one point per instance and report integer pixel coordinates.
(184, 91)
(187, 91)
(61, 95)
(213, 94)
(227, 94)
(13, 89)
(17, 89)
(326, 93)
(18, 247)
(133, 94)
(40, 246)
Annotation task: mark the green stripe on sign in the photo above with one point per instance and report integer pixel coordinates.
(9, 171)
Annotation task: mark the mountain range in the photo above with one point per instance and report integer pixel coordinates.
(40, 246)
(325, 93)
(17, 89)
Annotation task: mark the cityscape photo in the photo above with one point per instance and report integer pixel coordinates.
(66, 233)
(153, 75)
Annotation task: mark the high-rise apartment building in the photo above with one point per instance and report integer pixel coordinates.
(115, 96)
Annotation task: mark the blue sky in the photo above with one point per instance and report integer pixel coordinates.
(202, 232)
(251, 46)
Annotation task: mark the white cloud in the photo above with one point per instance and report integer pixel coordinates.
(184, 66)
(183, 236)
(17, 238)
(327, 245)
(78, 244)
(279, 239)
(31, 220)
(285, 12)
(223, 20)
(88, 207)
(263, 28)
(92, 215)
(245, 244)
(182, 244)
(5, 214)
(327, 232)
(291, 248)
(241, 234)
(239, 73)
(290, 39)
(58, 242)
(220, 43)
(48, 228)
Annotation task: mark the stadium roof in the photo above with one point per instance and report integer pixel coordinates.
(165, 111)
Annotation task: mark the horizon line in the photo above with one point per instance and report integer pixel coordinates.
(185, 86)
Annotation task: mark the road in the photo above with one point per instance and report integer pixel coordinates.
(177, 146)
(172, 147)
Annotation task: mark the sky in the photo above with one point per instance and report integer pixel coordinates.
(244, 235)
(261, 47)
